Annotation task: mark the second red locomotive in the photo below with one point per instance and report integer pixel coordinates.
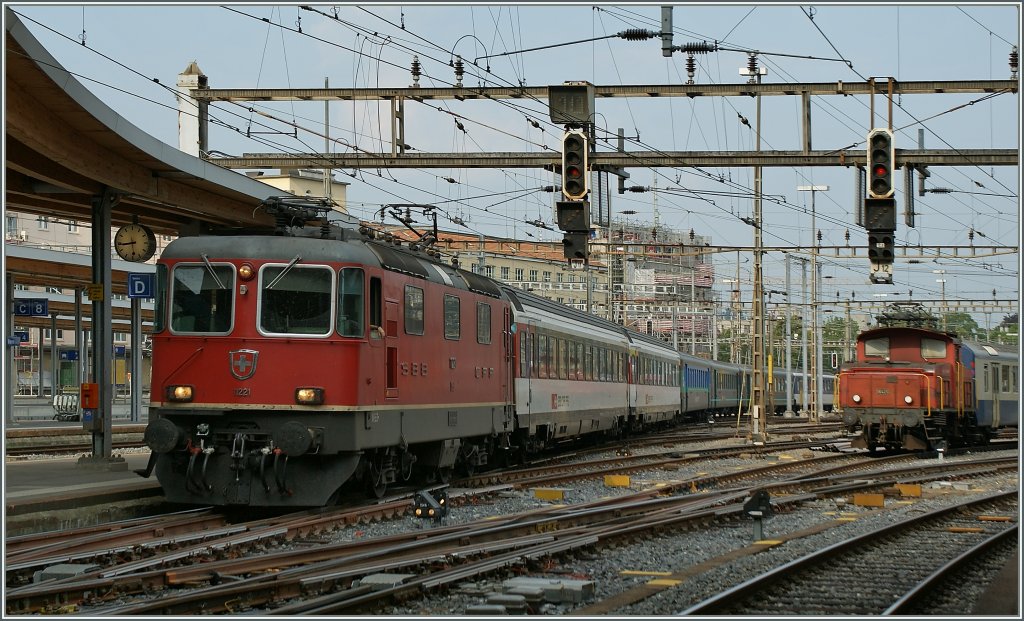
(921, 389)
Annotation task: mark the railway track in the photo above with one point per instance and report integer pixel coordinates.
(878, 573)
(281, 565)
(66, 440)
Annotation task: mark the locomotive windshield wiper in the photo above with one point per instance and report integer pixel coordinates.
(213, 272)
(284, 271)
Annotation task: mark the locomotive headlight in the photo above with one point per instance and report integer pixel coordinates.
(245, 271)
(309, 396)
(856, 398)
(908, 399)
(179, 392)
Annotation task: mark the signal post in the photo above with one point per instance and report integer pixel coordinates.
(573, 104)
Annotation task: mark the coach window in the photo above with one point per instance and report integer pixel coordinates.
(557, 364)
(296, 299)
(572, 359)
(413, 310)
(532, 353)
(202, 298)
(933, 349)
(452, 320)
(580, 373)
(350, 302)
(523, 361)
(483, 323)
(1006, 379)
(542, 356)
(878, 348)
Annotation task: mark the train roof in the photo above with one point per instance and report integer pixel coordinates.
(875, 332)
(344, 246)
(992, 351)
(521, 300)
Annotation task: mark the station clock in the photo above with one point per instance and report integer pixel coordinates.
(135, 242)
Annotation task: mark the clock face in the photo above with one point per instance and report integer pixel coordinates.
(134, 242)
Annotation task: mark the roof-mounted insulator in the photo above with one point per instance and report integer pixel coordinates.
(1014, 62)
(636, 188)
(702, 47)
(691, 67)
(636, 34)
(752, 68)
(416, 73)
(459, 71)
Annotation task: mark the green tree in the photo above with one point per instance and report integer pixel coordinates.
(962, 324)
(1008, 330)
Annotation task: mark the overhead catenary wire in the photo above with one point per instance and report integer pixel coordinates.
(465, 118)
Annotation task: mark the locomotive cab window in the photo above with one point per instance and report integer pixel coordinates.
(296, 299)
(350, 302)
(933, 349)
(202, 298)
(877, 348)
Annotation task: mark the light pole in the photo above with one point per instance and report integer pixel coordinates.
(942, 281)
(816, 338)
(788, 413)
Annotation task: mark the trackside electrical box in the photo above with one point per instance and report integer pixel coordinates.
(89, 399)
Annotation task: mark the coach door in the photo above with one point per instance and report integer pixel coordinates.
(508, 381)
(1000, 380)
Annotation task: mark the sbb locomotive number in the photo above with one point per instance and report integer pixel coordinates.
(414, 368)
(243, 392)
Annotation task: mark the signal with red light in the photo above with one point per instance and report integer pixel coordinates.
(575, 151)
(881, 159)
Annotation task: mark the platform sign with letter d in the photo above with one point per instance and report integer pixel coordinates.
(140, 285)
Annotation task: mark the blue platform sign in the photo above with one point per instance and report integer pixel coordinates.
(22, 335)
(32, 307)
(69, 355)
(140, 285)
(119, 350)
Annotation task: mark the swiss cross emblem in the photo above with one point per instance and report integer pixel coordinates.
(243, 363)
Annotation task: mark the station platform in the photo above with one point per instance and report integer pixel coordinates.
(43, 495)
(34, 410)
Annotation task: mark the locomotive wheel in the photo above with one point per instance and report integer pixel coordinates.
(444, 474)
(375, 483)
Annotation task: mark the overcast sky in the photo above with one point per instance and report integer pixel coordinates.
(127, 48)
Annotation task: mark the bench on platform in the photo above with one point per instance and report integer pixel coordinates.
(65, 407)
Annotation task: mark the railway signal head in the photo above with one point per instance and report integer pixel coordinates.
(880, 254)
(880, 221)
(575, 150)
(881, 160)
(574, 246)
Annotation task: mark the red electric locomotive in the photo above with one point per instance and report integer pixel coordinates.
(911, 388)
(281, 366)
